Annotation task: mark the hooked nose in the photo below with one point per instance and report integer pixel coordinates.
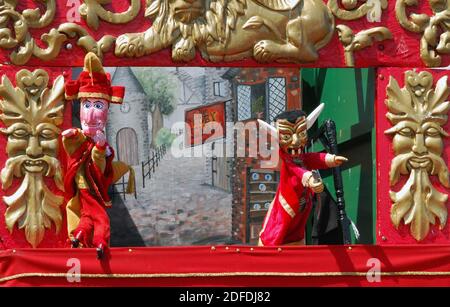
(90, 116)
(34, 150)
(295, 140)
(419, 147)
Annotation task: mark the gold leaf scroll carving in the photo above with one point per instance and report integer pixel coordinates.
(435, 29)
(418, 113)
(93, 10)
(55, 40)
(24, 46)
(351, 11)
(10, 19)
(32, 114)
(267, 30)
(363, 39)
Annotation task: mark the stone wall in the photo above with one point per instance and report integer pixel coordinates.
(137, 116)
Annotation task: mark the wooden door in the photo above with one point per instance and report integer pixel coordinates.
(127, 146)
(220, 170)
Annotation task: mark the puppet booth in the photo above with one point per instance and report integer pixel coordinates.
(224, 143)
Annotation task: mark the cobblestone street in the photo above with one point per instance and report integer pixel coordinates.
(175, 208)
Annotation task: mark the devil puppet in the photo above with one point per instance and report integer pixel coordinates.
(90, 169)
(287, 215)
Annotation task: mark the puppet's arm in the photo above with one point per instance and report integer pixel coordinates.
(99, 151)
(72, 139)
(315, 160)
(99, 157)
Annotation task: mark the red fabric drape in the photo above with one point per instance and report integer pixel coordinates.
(407, 265)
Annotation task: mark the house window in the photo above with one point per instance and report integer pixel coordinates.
(219, 89)
(251, 101)
(276, 97)
(244, 94)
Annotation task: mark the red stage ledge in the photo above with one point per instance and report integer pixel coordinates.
(407, 265)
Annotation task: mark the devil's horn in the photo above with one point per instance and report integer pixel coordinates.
(314, 115)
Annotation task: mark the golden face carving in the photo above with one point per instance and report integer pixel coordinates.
(36, 143)
(32, 113)
(418, 113)
(292, 136)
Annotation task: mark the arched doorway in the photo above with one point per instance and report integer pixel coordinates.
(127, 146)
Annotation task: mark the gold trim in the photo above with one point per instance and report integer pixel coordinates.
(93, 95)
(111, 99)
(225, 274)
(73, 97)
(286, 206)
(115, 99)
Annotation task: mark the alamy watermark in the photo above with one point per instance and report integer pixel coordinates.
(242, 138)
(73, 13)
(374, 273)
(74, 272)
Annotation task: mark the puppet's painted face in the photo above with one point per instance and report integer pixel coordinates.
(93, 115)
(293, 136)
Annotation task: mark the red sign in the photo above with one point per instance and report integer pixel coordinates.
(205, 123)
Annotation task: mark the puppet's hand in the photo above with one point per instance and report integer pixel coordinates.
(315, 185)
(338, 160)
(69, 132)
(333, 160)
(100, 139)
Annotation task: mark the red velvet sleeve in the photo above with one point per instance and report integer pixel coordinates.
(299, 172)
(315, 160)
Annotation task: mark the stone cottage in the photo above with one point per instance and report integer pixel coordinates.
(128, 124)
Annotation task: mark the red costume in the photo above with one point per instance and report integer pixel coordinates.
(287, 215)
(89, 168)
(92, 190)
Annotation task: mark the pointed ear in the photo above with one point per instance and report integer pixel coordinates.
(314, 115)
(271, 129)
